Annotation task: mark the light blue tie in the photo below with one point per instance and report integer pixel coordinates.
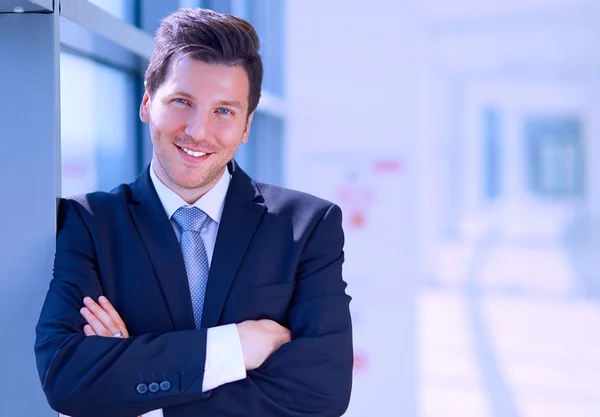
(192, 220)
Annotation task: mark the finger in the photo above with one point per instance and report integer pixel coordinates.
(108, 307)
(283, 329)
(96, 325)
(87, 329)
(102, 316)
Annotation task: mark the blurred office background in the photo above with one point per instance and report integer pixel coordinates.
(461, 138)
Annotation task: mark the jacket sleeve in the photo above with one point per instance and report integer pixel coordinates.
(98, 376)
(312, 374)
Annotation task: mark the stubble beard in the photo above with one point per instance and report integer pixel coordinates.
(192, 178)
(199, 181)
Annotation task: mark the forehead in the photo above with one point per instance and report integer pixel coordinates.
(201, 79)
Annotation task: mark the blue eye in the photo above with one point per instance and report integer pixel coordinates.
(224, 111)
(181, 100)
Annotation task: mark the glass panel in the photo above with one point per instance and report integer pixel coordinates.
(556, 156)
(492, 157)
(152, 12)
(221, 6)
(267, 18)
(262, 156)
(123, 9)
(98, 125)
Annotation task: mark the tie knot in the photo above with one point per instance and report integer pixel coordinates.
(190, 218)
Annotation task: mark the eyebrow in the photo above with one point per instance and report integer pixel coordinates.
(181, 93)
(232, 103)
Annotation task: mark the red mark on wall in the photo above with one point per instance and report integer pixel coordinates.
(387, 166)
(355, 199)
(361, 362)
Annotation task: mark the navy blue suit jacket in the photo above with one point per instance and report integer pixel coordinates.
(278, 255)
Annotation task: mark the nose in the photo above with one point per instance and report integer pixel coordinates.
(197, 126)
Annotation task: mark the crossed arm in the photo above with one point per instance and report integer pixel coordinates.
(259, 338)
(310, 375)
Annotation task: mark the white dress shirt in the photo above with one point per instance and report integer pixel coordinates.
(224, 357)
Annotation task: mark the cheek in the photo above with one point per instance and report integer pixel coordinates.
(229, 133)
(166, 121)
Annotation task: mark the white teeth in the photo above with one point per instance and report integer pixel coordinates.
(192, 153)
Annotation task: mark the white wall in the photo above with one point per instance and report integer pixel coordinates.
(406, 82)
(356, 88)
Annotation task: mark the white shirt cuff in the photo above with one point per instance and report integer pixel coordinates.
(154, 413)
(224, 357)
(224, 360)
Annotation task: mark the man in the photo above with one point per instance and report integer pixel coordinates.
(196, 291)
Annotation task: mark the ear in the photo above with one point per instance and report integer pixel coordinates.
(247, 131)
(145, 107)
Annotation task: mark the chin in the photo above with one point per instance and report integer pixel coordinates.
(190, 184)
(194, 182)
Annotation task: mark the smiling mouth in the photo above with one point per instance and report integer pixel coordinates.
(195, 154)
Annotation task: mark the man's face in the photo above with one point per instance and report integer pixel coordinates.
(197, 121)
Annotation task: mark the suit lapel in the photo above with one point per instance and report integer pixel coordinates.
(163, 249)
(242, 212)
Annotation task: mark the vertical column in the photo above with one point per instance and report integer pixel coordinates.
(472, 161)
(29, 180)
(592, 161)
(455, 149)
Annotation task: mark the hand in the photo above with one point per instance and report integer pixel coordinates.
(102, 318)
(260, 339)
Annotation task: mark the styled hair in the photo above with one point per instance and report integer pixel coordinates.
(214, 38)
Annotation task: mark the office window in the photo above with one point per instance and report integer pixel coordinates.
(221, 6)
(262, 156)
(267, 18)
(123, 9)
(492, 156)
(556, 157)
(98, 126)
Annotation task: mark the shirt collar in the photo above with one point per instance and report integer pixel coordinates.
(212, 203)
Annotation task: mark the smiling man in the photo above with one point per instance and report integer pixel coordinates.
(198, 117)
(195, 290)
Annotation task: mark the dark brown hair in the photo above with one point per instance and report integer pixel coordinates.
(211, 37)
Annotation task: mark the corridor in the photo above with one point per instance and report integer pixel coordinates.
(508, 328)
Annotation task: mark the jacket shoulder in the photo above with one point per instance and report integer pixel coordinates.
(275, 195)
(300, 207)
(99, 201)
